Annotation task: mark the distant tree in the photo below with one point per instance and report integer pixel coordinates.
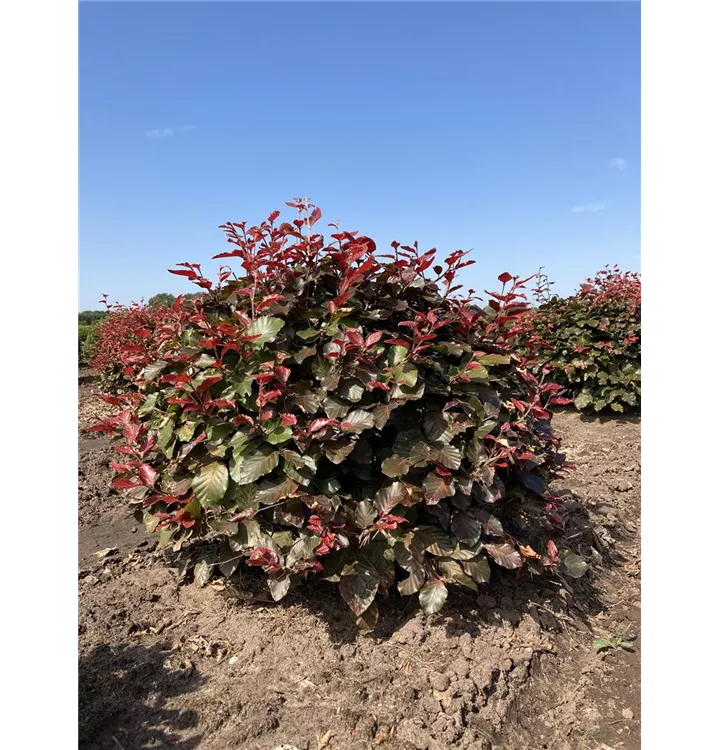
(88, 317)
(162, 300)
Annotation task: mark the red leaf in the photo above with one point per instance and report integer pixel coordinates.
(552, 551)
(505, 277)
(242, 419)
(111, 399)
(316, 215)
(148, 475)
(175, 379)
(282, 373)
(288, 420)
(263, 556)
(318, 424)
(125, 484)
(208, 383)
(372, 338)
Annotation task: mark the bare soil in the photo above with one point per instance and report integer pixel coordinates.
(164, 663)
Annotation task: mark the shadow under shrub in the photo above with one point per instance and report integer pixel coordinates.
(338, 412)
(591, 340)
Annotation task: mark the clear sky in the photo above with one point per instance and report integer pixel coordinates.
(510, 128)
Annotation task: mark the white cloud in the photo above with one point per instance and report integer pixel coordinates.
(618, 162)
(589, 208)
(153, 135)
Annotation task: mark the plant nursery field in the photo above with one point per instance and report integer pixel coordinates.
(166, 663)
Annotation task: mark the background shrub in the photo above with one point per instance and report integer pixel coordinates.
(337, 412)
(591, 340)
(122, 341)
(87, 335)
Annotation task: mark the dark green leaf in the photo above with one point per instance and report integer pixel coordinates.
(465, 526)
(253, 462)
(574, 565)
(478, 568)
(359, 590)
(432, 596)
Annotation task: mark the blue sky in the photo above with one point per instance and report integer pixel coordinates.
(509, 128)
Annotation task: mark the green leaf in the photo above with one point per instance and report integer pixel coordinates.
(211, 483)
(166, 536)
(582, 400)
(432, 596)
(395, 466)
(279, 434)
(307, 334)
(436, 488)
(266, 327)
(359, 590)
(478, 568)
(575, 566)
(358, 421)
(241, 497)
(485, 428)
(600, 645)
(495, 359)
(504, 554)
(397, 354)
(186, 431)
(255, 460)
(148, 404)
(406, 374)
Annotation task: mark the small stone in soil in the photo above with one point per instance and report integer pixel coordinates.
(627, 713)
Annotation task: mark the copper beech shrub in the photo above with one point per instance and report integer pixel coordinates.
(590, 340)
(331, 411)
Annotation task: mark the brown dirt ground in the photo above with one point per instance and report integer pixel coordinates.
(164, 663)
